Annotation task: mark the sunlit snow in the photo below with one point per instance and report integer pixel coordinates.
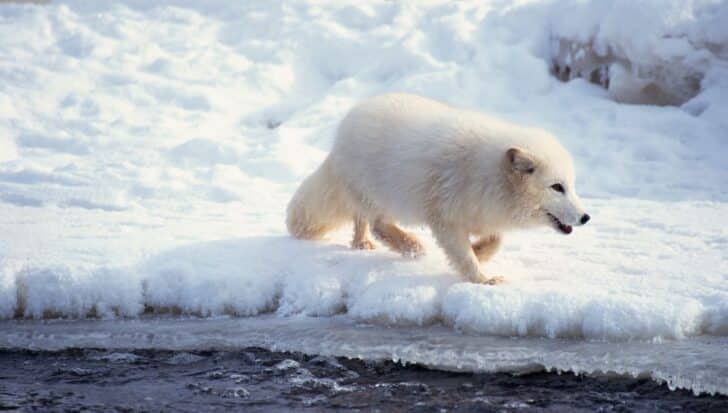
(148, 151)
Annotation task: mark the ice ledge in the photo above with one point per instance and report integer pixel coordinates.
(692, 364)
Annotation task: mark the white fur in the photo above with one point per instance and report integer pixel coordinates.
(406, 158)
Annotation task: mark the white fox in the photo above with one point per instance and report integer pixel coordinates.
(404, 158)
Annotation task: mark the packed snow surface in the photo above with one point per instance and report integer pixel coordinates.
(148, 151)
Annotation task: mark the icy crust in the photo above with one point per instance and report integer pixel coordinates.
(560, 313)
(590, 296)
(691, 364)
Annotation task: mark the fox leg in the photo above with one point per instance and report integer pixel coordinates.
(485, 247)
(461, 254)
(362, 237)
(397, 239)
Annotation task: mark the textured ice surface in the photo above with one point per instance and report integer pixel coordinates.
(578, 291)
(148, 150)
(691, 364)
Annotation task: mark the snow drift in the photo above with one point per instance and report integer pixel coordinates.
(646, 52)
(252, 276)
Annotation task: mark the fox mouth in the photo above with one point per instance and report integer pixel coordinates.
(565, 229)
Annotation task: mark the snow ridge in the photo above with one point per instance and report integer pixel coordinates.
(247, 277)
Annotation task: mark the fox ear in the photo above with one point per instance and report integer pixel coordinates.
(520, 161)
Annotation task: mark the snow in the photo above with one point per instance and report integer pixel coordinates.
(148, 151)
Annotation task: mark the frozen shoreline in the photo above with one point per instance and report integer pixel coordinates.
(691, 364)
(557, 286)
(255, 379)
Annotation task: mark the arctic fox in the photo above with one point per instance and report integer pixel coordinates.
(405, 158)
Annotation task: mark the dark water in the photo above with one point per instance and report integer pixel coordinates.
(259, 380)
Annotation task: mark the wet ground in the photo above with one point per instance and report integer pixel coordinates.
(259, 380)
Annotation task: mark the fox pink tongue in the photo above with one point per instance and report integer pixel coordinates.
(566, 229)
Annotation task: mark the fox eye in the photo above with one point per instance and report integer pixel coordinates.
(557, 188)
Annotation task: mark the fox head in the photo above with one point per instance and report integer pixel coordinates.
(544, 187)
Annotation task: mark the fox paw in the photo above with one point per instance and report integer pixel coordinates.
(495, 280)
(413, 249)
(364, 244)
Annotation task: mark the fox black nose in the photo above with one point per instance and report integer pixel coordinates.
(584, 219)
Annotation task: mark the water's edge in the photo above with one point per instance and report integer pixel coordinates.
(255, 379)
(698, 364)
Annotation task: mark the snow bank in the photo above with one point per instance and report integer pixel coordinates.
(251, 276)
(57, 292)
(643, 52)
(559, 313)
